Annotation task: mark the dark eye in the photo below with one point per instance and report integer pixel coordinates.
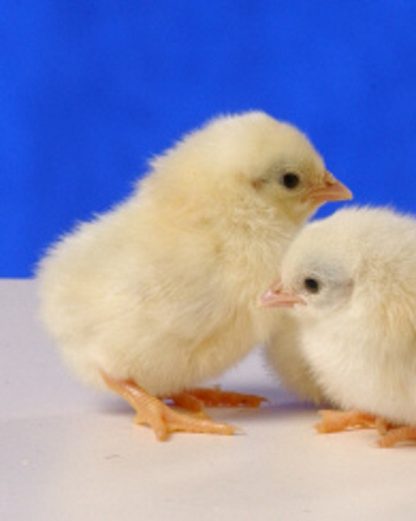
(290, 180)
(311, 285)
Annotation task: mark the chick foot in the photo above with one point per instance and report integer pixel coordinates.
(337, 421)
(196, 399)
(159, 416)
(397, 435)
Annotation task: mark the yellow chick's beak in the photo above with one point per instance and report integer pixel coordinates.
(276, 297)
(331, 190)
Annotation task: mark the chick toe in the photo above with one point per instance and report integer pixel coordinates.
(174, 421)
(383, 426)
(189, 402)
(216, 397)
(397, 435)
(337, 421)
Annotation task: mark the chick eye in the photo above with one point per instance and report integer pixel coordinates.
(311, 285)
(290, 180)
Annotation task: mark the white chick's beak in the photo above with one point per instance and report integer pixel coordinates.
(276, 297)
(331, 190)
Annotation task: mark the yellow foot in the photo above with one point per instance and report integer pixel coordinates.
(159, 416)
(337, 421)
(397, 435)
(196, 399)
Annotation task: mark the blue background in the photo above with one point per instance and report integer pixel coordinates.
(89, 90)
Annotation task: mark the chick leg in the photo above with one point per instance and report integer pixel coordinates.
(161, 418)
(195, 399)
(337, 421)
(397, 435)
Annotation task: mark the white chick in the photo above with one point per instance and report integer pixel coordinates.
(160, 293)
(351, 280)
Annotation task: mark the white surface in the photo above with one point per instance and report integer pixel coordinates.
(68, 453)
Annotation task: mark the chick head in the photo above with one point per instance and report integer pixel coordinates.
(253, 157)
(358, 256)
(322, 267)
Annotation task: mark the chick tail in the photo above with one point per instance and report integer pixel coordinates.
(159, 416)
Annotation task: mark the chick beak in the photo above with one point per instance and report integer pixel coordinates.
(276, 297)
(331, 190)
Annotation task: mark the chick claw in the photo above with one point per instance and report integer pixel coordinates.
(161, 418)
(337, 421)
(196, 399)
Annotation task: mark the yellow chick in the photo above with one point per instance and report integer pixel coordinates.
(161, 292)
(351, 281)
